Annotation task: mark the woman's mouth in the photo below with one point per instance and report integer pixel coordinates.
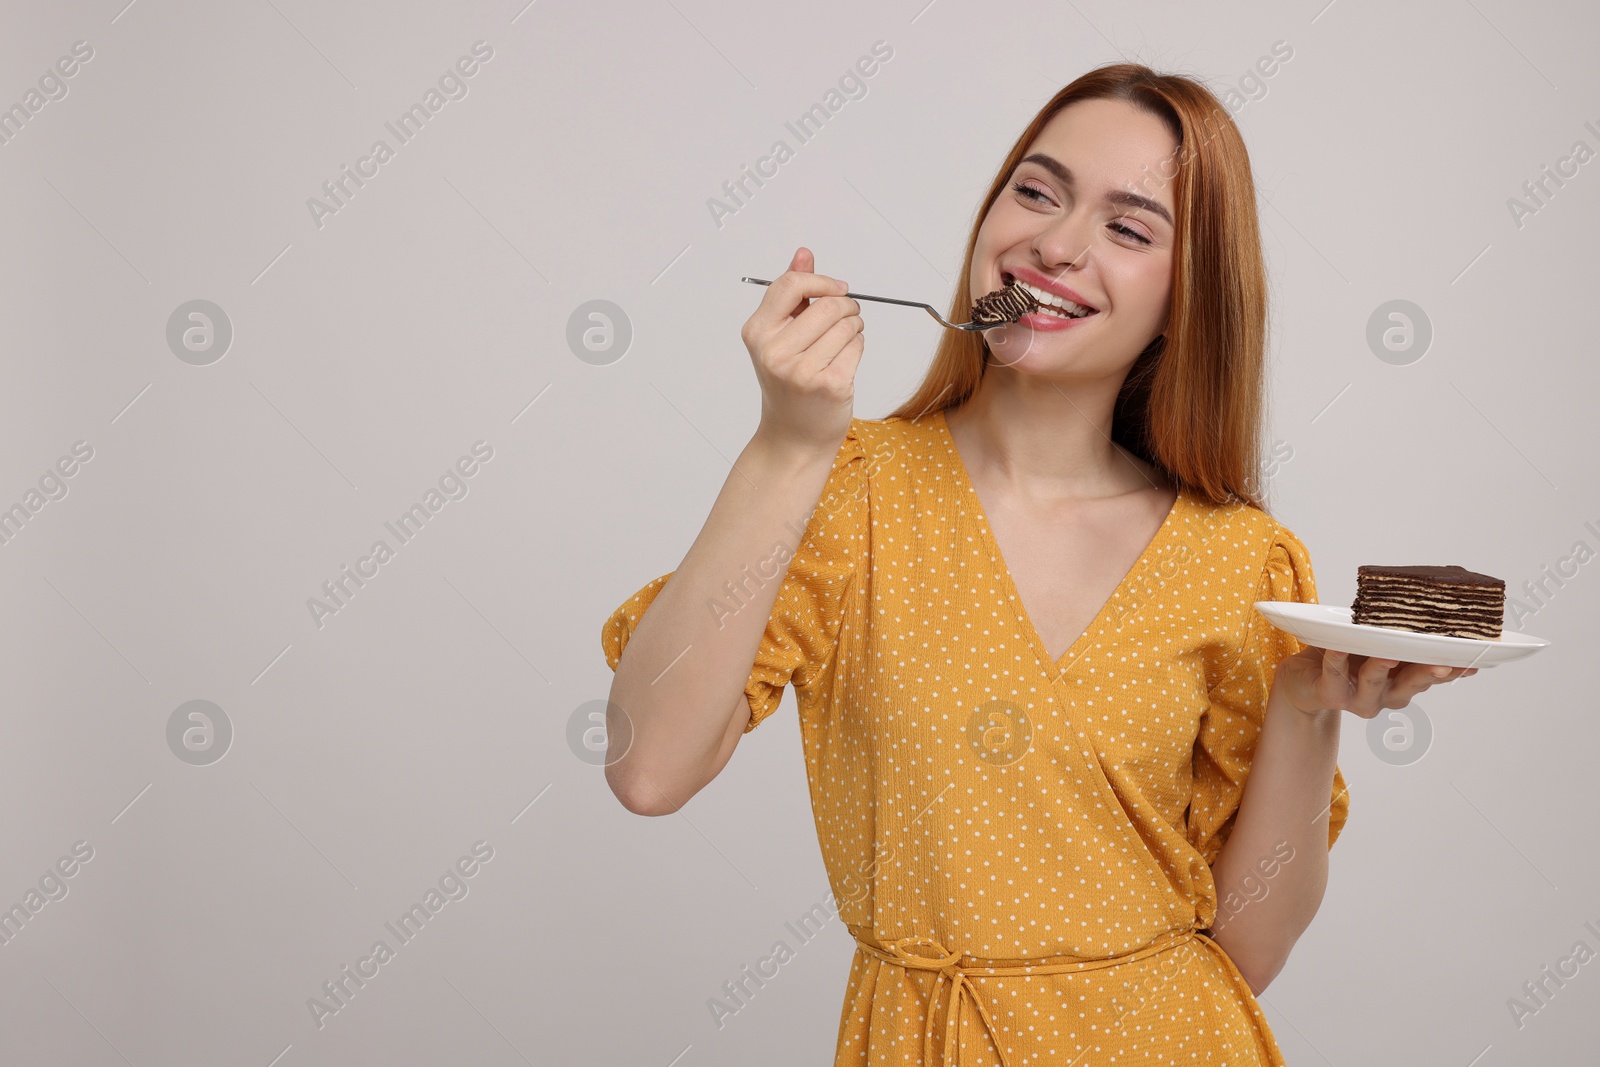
(1051, 305)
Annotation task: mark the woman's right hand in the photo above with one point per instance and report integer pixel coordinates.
(805, 340)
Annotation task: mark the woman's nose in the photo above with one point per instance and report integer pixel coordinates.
(1063, 243)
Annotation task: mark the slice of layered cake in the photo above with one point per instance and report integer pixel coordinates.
(1451, 601)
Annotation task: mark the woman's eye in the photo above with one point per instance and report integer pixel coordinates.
(1029, 191)
(1130, 232)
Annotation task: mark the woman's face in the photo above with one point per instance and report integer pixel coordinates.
(1065, 221)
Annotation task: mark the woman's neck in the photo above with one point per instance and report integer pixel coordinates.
(1047, 442)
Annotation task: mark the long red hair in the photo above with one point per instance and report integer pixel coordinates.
(1193, 402)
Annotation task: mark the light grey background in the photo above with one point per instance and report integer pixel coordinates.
(431, 312)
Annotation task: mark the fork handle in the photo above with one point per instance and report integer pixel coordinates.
(859, 296)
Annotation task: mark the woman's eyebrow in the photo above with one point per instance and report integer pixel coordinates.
(1126, 197)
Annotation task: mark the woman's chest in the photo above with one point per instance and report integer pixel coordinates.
(1067, 564)
(948, 680)
(977, 642)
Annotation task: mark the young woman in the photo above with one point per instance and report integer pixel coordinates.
(1032, 685)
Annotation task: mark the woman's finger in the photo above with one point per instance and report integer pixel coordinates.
(825, 314)
(1372, 682)
(787, 301)
(1337, 665)
(1409, 679)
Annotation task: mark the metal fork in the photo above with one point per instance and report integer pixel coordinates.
(908, 303)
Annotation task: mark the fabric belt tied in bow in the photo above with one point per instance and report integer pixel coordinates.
(947, 964)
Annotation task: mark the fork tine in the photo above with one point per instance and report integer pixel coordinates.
(960, 325)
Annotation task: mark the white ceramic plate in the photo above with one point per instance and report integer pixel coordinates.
(1326, 626)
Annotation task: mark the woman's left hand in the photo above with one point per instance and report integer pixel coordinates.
(1316, 680)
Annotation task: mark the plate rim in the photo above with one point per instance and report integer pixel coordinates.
(1509, 638)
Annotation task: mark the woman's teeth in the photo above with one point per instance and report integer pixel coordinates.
(1058, 312)
(1056, 305)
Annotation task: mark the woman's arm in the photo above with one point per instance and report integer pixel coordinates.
(1285, 803)
(676, 732)
(1271, 874)
(673, 719)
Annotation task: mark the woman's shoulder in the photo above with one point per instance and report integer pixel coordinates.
(1240, 517)
(1249, 538)
(905, 441)
(897, 427)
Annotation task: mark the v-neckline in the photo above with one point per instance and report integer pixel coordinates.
(969, 491)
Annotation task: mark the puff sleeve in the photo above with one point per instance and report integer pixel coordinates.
(804, 628)
(1230, 726)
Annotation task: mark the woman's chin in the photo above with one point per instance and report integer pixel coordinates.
(1043, 356)
(1018, 346)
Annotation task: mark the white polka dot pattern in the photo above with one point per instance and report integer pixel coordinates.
(971, 793)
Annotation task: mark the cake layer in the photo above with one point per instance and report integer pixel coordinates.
(1437, 592)
(1428, 597)
(1465, 588)
(1372, 615)
(1455, 594)
(1483, 631)
(1432, 600)
(1476, 633)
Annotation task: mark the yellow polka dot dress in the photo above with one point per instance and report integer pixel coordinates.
(1021, 848)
